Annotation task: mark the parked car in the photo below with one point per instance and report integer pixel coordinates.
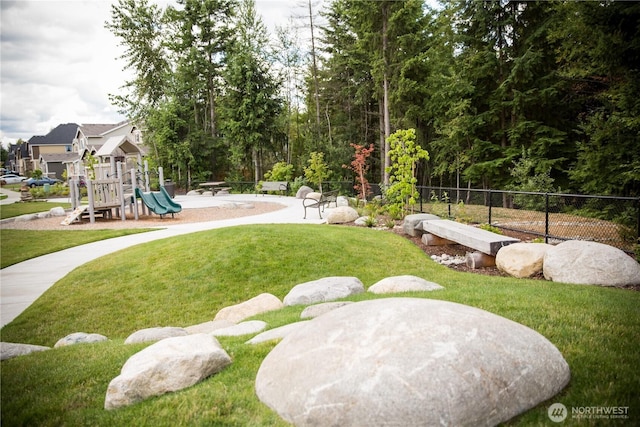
(12, 178)
(38, 182)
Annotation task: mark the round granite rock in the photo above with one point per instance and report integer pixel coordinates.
(409, 361)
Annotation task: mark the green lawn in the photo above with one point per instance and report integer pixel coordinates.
(185, 280)
(19, 245)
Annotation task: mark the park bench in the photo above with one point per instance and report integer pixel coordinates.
(266, 186)
(325, 199)
(486, 243)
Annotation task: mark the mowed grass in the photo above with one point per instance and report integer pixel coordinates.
(185, 280)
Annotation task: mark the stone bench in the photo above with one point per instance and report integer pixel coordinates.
(485, 242)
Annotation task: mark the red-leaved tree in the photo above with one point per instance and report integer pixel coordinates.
(360, 166)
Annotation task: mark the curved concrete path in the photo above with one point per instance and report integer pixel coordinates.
(21, 284)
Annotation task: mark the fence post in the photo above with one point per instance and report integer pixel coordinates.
(546, 217)
(489, 207)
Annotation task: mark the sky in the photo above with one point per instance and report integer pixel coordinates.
(58, 64)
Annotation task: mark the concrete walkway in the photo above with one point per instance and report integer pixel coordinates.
(21, 284)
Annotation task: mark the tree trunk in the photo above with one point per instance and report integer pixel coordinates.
(385, 84)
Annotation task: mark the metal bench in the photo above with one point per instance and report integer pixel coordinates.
(325, 199)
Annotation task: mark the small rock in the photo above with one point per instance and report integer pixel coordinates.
(244, 328)
(155, 334)
(521, 259)
(405, 283)
(79, 338)
(327, 289)
(9, 350)
(57, 211)
(277, 333)
(208, 327)
(257, 305)
(320, 309)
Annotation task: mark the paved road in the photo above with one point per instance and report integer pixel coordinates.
(21, 284)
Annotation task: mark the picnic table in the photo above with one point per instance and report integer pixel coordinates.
(215, 186)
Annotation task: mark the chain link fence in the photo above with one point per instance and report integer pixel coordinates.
(553, 217)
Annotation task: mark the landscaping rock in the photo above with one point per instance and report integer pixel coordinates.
(244, 328)
(276, 333)
(303, 191)
(412, 221)
(342, 201)
(409, 362)
(364, 221)
(256, 305)
(57, 211)
(313, 195)
(208, 327)
(80, 338)
(342, 215)
(320, 309)
(590, 263)
(9, 350)
(522, 259)
(155, 334)
(327, 289)
(166, 366)
(406, 283)
(194, 193)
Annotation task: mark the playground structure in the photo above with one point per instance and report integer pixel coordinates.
(110, 189)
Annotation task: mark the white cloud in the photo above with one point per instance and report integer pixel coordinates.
(58, 62)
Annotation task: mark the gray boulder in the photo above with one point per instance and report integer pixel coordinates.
(521, 259)
(590, 263)
(342, 215)
(80, 338)
(155, 334)
(9, 350)
(256, 305)
(320, 309)
(412, 221)
(405, 283)
(409, 362)
(244, 328)
(322, 290)
(57, 211)
(166, 366)
(303, 191)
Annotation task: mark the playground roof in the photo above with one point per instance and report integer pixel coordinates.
(123, 143)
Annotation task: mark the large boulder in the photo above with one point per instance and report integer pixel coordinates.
(414, 220)
(166, 366)
(326, 289)
(256, 305)
(590, 263)
(406, 283)
(342, 215)
(155, 334)
(80, 338)
(409, 362)
(303, 191)
(9, 350)
(522, 259)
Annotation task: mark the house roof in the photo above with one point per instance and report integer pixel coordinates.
(58, 157)
(60, 135)
(122, 143)
(99, 129)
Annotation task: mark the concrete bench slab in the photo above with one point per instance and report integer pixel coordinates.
(466, 235)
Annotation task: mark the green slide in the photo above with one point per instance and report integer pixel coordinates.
(159, 203)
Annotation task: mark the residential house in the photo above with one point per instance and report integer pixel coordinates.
(49, 152)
